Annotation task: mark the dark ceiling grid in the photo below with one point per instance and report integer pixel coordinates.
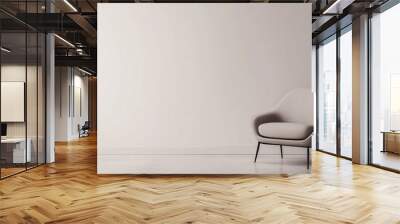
(78, 24)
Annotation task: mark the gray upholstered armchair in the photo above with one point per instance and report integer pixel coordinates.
(290, 123)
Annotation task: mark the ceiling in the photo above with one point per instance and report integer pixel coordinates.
(75, 21)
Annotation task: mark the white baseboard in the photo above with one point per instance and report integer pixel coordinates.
(201, 164)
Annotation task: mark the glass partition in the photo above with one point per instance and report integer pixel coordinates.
(22, 77)
(14, 153)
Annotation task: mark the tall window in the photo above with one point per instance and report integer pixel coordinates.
(335, 74)
(327, 96)
(394, 101)
(385, 89)
(346, 93)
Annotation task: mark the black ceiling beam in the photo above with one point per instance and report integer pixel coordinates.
(333, 28)
(8, 17)
(200, 1)
(81, 61)
(49, 22)
(8, 24)
(91, 5)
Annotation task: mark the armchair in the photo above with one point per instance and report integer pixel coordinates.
(290, 123)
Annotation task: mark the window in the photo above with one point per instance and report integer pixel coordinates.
(327, 96)
(346, 93)
(385, 89)
(394, 102)
(335, 74)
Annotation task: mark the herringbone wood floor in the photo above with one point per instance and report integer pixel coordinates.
(69, 191)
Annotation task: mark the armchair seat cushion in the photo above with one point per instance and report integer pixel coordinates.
(285, 130)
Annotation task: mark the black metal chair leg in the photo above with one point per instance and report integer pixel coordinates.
(281, 152)
(258, 148)
(308, 158)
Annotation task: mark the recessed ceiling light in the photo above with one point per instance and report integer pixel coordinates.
(338, 6)
(64, 40)
(84, 71)
(70, 5)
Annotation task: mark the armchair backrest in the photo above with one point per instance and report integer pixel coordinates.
(297, 106)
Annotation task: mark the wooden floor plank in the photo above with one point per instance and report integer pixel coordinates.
(70, 191)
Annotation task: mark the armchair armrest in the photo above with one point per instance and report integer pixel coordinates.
(272, 116)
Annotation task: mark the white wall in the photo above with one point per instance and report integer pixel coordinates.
(61, 103)
(67, 116)
(180, 84)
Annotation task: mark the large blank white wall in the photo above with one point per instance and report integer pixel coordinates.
(180, 84)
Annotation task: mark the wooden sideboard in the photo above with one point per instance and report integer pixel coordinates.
(391, 141)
